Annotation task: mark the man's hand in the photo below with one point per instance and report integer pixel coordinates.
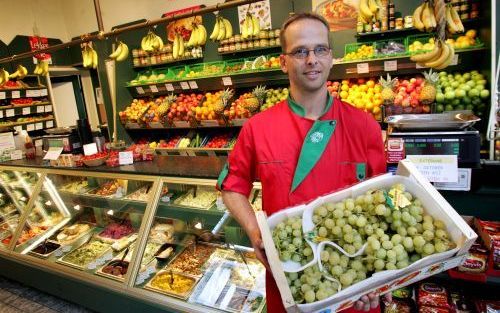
(258, 247)
(370, 301)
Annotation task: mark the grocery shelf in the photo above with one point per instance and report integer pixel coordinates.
(250, 50)
(30, 126)
(16, 110)
(168, 62)
(31, 92)
(135, 126)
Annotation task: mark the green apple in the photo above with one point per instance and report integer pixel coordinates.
(485, 93)
(460, 93)
(473, 93)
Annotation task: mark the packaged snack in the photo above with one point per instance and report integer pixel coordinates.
(397, 306)
(432, 309)
(432, 295)
(403, 293)
(476, 260)
(459, 304)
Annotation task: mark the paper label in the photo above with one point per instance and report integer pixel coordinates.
(193, 84)
(43, 92)
(395, 150)
(1, 114)
(40, 109)
(209, 123)
(153, 88)
(227, 81)
(455, 60)
(390, 65)
(48, 108)
(169, 87)
(156, 125)
(53, 153)
(2, 95)
(29, 93)
(184, 85)
(26, 111)
(463, 183)
(7, 141)
(140, 90)
(437, 168)
(49, 124)
(36, 93)
(90, 149)
(16, 94)
(16, 155)
(39, 126)
(363, 68)
(132, 125)
(10, 113)
(30, 127)
(125, 157)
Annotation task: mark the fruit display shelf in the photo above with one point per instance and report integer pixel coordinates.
(250, 50)
(183, 59)
(194, 151)
(23, 92)
(16, 110)
(30, 126)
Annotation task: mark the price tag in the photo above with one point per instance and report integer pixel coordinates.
(209, 123)
(49, 124)
(30, 127)
(40, 109)
(43, 92)
(18, 128)
(437, 168)
(125, 157)
(363, 68)
(16, 94)
(90, 149)
(48, 108)
(184, 85)
(30, 93)
(153, 88)
(16, 155)
(132, 125)
(169, 87)
(227, 81)
(1, 114)
(455, 60)
(419, 66)
(39, 126)
(37, 93)
(390, 65)
(2, 95)
(10, 113)
(156, 125)
(26, 111)
(140, 90)
(193, 84)
(463, 183)
(53, 153)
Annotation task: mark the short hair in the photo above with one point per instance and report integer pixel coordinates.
(297, 17)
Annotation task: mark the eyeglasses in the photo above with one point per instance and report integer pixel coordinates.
(302, 53)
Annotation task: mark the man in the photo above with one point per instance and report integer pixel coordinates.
(302, 148)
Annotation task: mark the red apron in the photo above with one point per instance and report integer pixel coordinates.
(297, 159)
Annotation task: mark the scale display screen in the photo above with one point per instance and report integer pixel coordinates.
(432, 146)
(56, 143)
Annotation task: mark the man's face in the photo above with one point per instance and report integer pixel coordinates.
(307, 74)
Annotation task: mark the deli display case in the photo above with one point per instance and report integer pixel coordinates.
(138, 235)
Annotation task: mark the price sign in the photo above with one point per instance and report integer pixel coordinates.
(39, 126)
(43, 92)
(169, 87)
(184, 85)
(26, 111)
(140, 90)
(16, 94)
(437, 168)
(156, 125)
(90, 149)
(10, 113)
(49, 124)
(36, 93)
(363, 68)
(227, 81)
(390, 66)
(29, 93)
(16, 155)
(40, 109)
(153, 88)
(125, 157)
(48, 108)
(193, 84)
(455, 60)
(2, 95)
(53, 153)
(1, 114)
(30, 127)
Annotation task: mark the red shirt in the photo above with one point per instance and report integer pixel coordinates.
(268, 150)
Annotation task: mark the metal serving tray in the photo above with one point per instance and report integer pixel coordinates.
(83, 266)
(183, 296)
(448, 120)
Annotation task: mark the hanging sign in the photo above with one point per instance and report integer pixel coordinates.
(38, 43)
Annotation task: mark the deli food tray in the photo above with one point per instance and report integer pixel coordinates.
(45, 249)
(441, 121)
(172, 284)
(105, 248)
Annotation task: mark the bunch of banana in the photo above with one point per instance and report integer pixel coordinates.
(438, 58)
(89, 56)
(41, 68)
(120, 53)
(178, 47)
(222, 29)
(198, 36)
(368, 9)
(424, 18)
(20, 73)
(453, 21)
(250, 27)
(4, 76)
(151, 42)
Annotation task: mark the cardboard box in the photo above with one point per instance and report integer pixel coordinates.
(382, 282)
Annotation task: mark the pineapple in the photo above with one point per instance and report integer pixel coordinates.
(388, 89)
(165, 104)
(428, 92)
(256, 99)
(220, 105)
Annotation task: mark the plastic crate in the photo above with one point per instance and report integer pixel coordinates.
(234, 64)
(355, 47)
(390, 48)
(208, 69)
(167, 75)
(178, 72)
(423, 39)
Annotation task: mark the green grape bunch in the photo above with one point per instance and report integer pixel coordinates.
(290, 243)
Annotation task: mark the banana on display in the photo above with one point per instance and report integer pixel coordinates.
(424, 18)
(250, 26)
(20, 72)
(41, 68)
(151, 42)
(368, 9)
(453, 22)
(121, 52)
(4, 76)
(178, 46)
(90, 58)
(198, 36)
(438, 58)
(222, 29)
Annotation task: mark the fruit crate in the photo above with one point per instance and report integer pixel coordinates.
(390, 48)
(208, 69)
(233, 64)
(178, 72)
(354, 47)
(478, 43)
(422, 38)
(167, 75)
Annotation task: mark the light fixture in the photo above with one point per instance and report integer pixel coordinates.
(77, 207)
(198, 225)
(110, 212)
